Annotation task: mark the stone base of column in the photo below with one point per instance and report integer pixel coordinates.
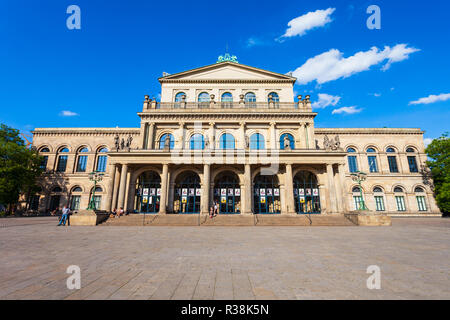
(249, 213)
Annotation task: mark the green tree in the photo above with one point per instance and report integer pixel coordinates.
(439, 154)
(19, 166)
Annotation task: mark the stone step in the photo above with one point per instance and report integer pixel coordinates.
(302, 220)
(235, 220)
(174, 220)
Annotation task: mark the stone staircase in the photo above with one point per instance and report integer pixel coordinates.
(234, 220)
(227, 220)
(303, 220)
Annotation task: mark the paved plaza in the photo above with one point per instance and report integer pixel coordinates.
(224, 262)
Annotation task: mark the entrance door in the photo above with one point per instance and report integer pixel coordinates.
(148, 192)
(306, 193)
(187, 194)
(266, 191)
(54, 202)
(227, 193)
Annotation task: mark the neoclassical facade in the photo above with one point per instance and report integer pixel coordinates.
(235, 135)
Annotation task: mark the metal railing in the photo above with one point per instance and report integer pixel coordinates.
(225, 105)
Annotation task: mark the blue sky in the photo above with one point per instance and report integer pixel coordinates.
(358, 77)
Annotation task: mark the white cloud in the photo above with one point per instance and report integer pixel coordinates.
(377, 95)
(300, 25)
(347, 110)
(67, 113)
(432, 99)
(427, 141)
(326, 100)
(332, 65)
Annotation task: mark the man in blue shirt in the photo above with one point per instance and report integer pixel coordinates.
(64, 216)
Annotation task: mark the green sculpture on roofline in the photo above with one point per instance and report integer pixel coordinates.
(227, 57)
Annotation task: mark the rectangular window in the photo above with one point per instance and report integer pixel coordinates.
(44, 162)
(62, 164)
(357, 200)
(34, 202)
(97, 202)
(101, 163)
(393, 168)
(75, 203)
(412, 164)
(400, 200)
(379, 201)
(81, 165)
(372, 163)
(421, 203)
(352, 165)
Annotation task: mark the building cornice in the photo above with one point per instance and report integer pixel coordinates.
(85, 131)
(226, 81)
(352, 131)
(232, 116)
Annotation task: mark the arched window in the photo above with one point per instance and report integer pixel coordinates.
(197, 142)
(377, 189)
(398, 189)
(399, 199)
(227, 100)
(44, 162)
(82, 160)
(418, 189)
(227, 141)
(352, 163)
(102, 160)
(62, 160)
(179, 96)
(77, 189)
(203, 100)
(370, 150)
(392, 160)
(289, 137)
(373, 165)
(390, 150)
(412, 162)
(379, 199)
(410, 150)
(351, 150)
(356, 189)
(75, 198)
(257, 142)
(274, 96)
(166, 138)
(250, 99)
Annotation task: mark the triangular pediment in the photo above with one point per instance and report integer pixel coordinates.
(227, 71)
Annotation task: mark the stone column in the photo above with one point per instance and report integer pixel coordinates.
(307, 142)
(247, 192)
(181, 135)
(127, 191)
(116, 187)
(205, 189)
(273, 136)
(150, 138)
(289, 187)
(331, 189)
(212, 135)
(338, 187)
(341, 168)
(110, 190)
(242, 135)
(122, 188)
(163, 198)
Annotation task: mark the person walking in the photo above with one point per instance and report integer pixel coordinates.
(64, 216)
(216, 208)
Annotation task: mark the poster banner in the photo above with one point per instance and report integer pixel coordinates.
(223, 199)
(145, 192)
(198, 192)
(191, 192)
(230, 192)
(262, 192)
(158, 191)
(223, 192)
(263, 199)
(152, 191)
(150, 200)
(237, 192)
(308, 192)
(301, 192)
(184, 192)
(269, 192)
(315, 192)
(184, 199)
(144, 200)
(276, 192)
(302, 199)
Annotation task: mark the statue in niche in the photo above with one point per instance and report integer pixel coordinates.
(206, 141)
(167, 142)
(287, 143)
(122, 144)
(247, 142)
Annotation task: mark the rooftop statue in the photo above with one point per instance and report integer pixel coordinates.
(227, 57)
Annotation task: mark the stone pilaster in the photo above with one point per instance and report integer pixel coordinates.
(205, 189)
(247, 192)
(331, 189)
(122, 188)
(290, 205)
(163, 197)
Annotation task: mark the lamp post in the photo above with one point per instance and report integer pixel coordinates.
(359, 177)
(95, 176)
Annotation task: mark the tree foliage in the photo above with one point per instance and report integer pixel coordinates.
(439, 154)
(19, 166)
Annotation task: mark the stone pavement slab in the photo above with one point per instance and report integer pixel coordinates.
(225, 262)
